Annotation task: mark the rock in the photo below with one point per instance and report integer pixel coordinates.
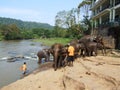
(11, 59)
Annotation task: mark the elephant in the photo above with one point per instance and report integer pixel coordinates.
(74, 41)
(45, 53)
(86, 38)
(77, 46)
(96, 39)
(93, 47)
(56, 51)
(81, 48)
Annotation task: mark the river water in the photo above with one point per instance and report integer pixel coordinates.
(9, 71)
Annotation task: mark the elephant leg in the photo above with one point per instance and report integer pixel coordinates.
(81, 54)
(47, 58)
(39, 61)
(87, 52)
(104, 51)
(59, 61)
(91, 53)
(95, 52)
(55, 65)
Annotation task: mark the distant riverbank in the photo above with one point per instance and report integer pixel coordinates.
(50, 41)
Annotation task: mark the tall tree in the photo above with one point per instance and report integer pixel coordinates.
(84, 6)
(70, 21)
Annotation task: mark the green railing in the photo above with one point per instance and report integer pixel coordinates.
(109, 24)
(117, 2)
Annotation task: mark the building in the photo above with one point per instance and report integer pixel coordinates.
(106, 18)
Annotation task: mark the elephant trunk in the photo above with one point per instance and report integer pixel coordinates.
(55, 60)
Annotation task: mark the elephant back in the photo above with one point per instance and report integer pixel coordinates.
(57, 47)
(86, 39)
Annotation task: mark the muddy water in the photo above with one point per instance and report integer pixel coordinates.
(9, 71)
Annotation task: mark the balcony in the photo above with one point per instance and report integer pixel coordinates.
(109, 24)
(117, 2)
(97, 4)
(101, 13)
(105, 7)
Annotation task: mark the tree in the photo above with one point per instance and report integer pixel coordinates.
(27, 34)
(87, 24)
(41, 32)
(70, 21)
(85, 7)
(10, 32)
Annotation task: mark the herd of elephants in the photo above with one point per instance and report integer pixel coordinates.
(85, 46)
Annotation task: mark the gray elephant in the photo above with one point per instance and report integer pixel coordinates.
(92, 43)
(45, 53)
(92, 47)
(56, 51)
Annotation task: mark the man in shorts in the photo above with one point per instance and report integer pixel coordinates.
(70, 55)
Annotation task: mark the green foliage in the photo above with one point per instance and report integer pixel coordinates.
(27, 34)
(59, 32)
(41, 32)
(87, 24)
(67, 24)
(10, 32)
(50, 41)
(1, 37)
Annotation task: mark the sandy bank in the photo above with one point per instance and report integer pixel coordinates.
(90, 73)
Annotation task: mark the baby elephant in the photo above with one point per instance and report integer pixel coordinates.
(45, 53)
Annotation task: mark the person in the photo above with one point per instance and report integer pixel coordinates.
(70, 54)
(24, 68)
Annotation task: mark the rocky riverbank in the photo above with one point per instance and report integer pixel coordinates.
(90, 73)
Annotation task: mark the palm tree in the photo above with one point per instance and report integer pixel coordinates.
(85, 5)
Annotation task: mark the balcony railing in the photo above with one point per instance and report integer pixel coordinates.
(99, 11)
(109, 24)
(105, 7)
(117, 2)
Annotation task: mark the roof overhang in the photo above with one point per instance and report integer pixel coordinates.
(97, 4)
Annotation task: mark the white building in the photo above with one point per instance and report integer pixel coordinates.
(106, 18)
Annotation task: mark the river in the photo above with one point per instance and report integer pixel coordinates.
(9, 71)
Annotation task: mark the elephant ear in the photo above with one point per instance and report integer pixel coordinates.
(46, 50)
(51, 51)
